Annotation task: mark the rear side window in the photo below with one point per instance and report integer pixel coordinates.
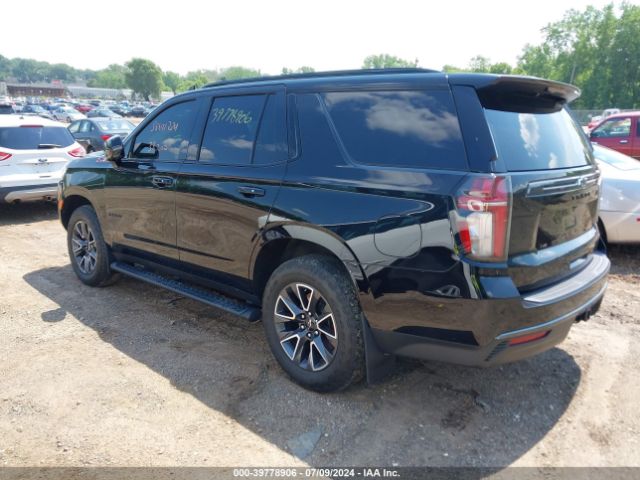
(244, 130)
(32, 138)
(164, 138)
(537, 141)
(4, 109)
(271, 144)
(399, 128)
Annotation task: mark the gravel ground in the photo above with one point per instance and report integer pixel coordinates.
(132, 375)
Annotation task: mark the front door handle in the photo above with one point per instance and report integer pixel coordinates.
(251, 191)
(624, 142)
(162, 182)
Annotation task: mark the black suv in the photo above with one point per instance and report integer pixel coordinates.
(360, 215)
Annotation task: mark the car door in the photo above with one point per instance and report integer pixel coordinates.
(74, 129)
(615, 133)
(140, 191)
(226, 191)
(635, 152)
(80, 130)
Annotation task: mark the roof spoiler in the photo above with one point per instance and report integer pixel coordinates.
(518, 93)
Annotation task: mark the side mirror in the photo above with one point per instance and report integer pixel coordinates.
(114, 149)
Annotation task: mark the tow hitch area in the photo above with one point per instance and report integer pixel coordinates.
(586, 315)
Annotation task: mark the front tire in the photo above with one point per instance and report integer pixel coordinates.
(89, 254)
(313, 323)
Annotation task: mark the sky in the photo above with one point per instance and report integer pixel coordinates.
(187, 35)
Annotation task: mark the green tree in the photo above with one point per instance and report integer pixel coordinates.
(193, 80)
(453, 69)
(480, 64)
(624, 79)
(290, 71)
(144, 77)
(5, 68)
(26, 70)
(236, 73)
(171, 80)
(594, 50)
(62, 72)
(385, 60)
(111, 77)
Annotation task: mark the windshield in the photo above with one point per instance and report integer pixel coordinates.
(538, 141)
(28, 138)
(615, 159)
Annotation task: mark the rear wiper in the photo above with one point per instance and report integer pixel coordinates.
(49, 145)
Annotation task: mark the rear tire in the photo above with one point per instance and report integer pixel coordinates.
(313, 323)
(88, 252)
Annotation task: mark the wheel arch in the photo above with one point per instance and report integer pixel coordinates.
(284, 242)
(71, 203)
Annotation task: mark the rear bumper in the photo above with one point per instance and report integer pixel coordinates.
(26, 193)
(492, 324)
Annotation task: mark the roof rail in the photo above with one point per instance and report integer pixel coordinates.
(334, 73)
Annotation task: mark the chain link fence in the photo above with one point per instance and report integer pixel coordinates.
(585, 116)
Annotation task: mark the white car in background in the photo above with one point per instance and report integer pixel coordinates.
(619, 196)
(67, 114)
(34, 153)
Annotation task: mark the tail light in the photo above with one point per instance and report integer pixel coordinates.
(4, 156)
(528, 338)
(77, 152)
(483, 210)
(106, 137)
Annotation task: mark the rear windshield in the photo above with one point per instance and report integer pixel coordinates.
(538, 141)
(415, 128)
(114, 125)
(31, 138)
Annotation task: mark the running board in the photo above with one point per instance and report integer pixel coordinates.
(216, 300)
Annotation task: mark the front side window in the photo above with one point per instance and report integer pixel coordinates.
(417, 128)
(167, 135)
(614, 128)
(231, 130)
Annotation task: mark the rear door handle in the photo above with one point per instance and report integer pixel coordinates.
(162, 182)
(251, 191)
(624, 142)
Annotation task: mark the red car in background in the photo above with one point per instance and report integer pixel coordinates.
(84, 108)
(619, 132)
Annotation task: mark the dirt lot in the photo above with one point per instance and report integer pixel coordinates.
(133, 375)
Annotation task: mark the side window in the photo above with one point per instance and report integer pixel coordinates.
(231, 130)
(165, 137)
(616, 127)
(74, 127)
(85, 126)
(417, 128)
(271, 144)
(638, 127)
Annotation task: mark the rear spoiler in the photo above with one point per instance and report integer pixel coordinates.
(518, 93)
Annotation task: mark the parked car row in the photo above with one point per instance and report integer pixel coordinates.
(70, 111)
